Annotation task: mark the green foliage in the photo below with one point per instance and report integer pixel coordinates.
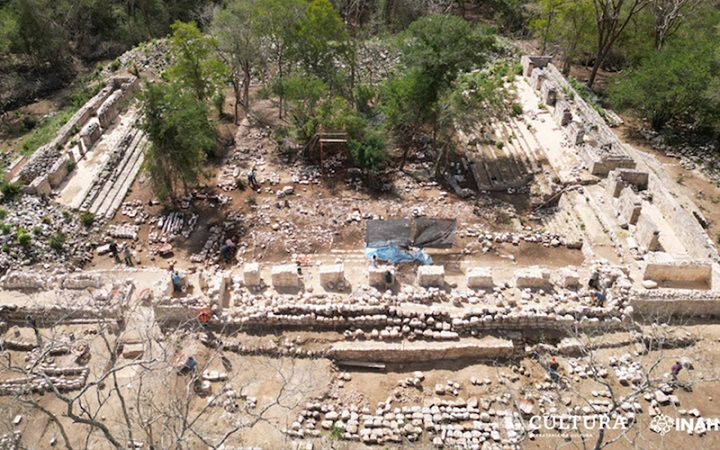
(318, 37)
(369, 153)
(67, 215)
(87, 218)
(114, 65)
(670, 84)
(3, 213)
(37, 229)
(56, 241)
(10, 191)
(251, 200)
(5, 228)
(181, 135)
(196, 67)
(517, 109)
(24, 238)
(70, 164)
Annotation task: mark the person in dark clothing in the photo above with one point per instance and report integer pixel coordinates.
(388, 279)
(114, 251)
(252, 180)
(675, 370)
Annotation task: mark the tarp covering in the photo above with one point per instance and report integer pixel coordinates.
(383, 233)
(394, 254)
(436, 233)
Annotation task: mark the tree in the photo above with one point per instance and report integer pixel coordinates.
(611, 19)
(670, 83)
(39, 35)
(277, 19)
(670, 15)
(435, 50)
(240, 46)
(318, 38)
(180, 135)
(196, 68)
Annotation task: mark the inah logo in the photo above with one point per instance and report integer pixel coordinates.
(662, 424)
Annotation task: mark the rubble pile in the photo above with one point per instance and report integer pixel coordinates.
(42, 220)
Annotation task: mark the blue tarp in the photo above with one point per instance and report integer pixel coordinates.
(394, 254)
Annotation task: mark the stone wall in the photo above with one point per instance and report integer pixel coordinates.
(405, 352)
(662, 303)
(46, 156)
(687, 270)
(621, 178)
(629, 206)
(647, 233)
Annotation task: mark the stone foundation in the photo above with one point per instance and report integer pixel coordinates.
(251, 274)
(647, 233)
(479, 277)
(331, 274)
(431, 276)
(285, 276)
(689, 270)
(376, 275)
(532, 277)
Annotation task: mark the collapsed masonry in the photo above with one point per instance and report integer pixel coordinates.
(48, 167)
(666, 238)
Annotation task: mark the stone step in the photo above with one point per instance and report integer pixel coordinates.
(100, 199)
(128, 179)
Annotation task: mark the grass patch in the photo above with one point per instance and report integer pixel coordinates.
(56, 241)
(87, 218)
(43, 133)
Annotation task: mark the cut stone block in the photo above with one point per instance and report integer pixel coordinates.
(532, 277)
(479, 277)
(251, 274)
(567, 277)
(132, 351)
(332, 273)
(285, 276)
(431, 275)
(376, 275)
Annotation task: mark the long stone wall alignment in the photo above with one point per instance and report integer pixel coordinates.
(50, 157)
(486, 348)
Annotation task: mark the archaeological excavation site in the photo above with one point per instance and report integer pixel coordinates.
(315, 264)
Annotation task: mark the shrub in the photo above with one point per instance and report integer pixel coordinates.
(47, 220)
(70, 164)
(10, 191)
(5, 228)
(114, 65)
(252, 201)
(37, 229)
(3, 213)
(67, 215)
(517, 109)
(6, 248)
(24, 238)
(499, 145)
(87, 218)
(56, 241)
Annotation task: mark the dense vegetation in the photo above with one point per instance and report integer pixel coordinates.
(451, 69)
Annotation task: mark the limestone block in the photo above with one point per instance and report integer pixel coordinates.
(532, 277)
(479, 277)
(563, 114)
(58, 172)
(568, 277)
(109, 109)
(576, 133)
(536, 78)
(251, 274)
(431, 275)
(331, 273)
(285, 276)
(132, 351)
(647, 233)
(376, 275)
(629, 206)
(548, 93)
(40, 186)
(90, 133)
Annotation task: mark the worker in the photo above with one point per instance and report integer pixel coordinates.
(374, 261)
(126, 255)
(190, 365)
(553, 369)
(114, 251)
(388, 279)
(594, 282)
(599, 299)
(252, 180)
(176, 281)
(226, 250)
(675, 370)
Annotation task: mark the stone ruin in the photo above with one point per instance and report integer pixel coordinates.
(599, 149)
(48, 166)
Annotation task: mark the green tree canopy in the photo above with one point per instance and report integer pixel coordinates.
(670, 83)
(180, 134)
(196, 67)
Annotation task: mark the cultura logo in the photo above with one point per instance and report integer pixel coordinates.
(662, 424)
